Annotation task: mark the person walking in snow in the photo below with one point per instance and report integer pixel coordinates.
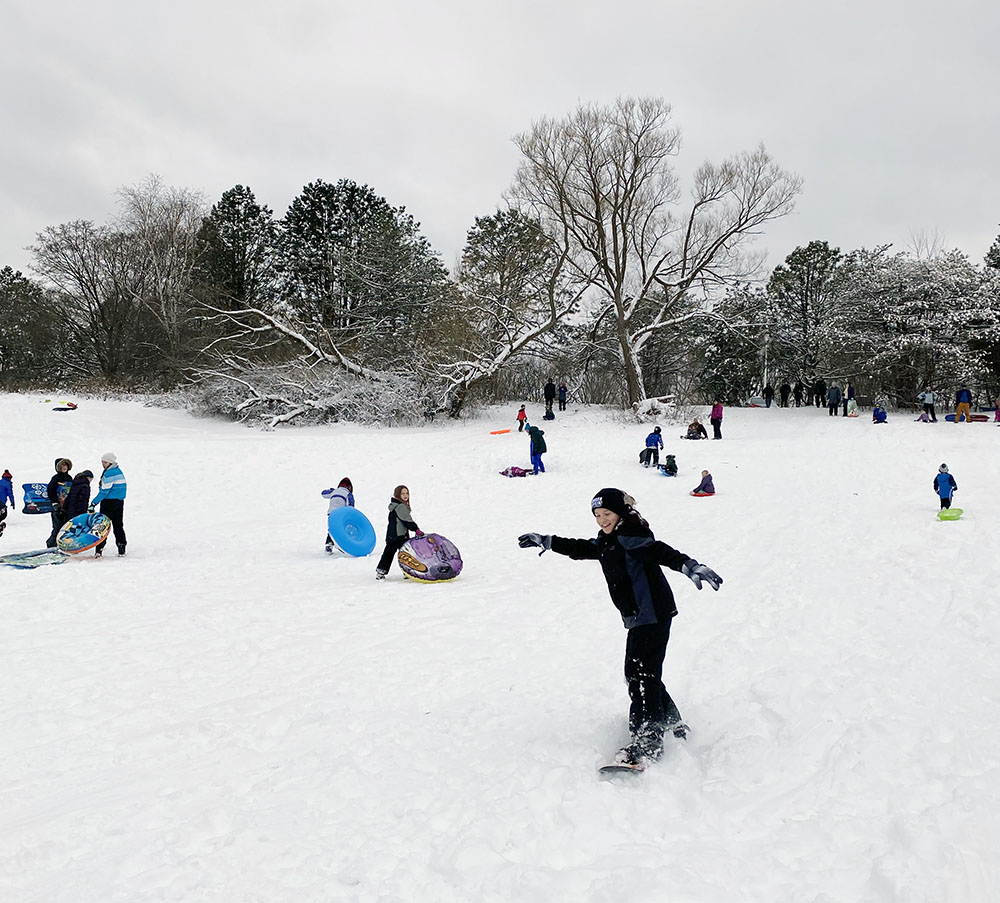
(784, 390)
(522, 418)
(945, 486)
(398, 530)
(342, 496)
(563, 394)
(631, 558)
(654, 442)
(715, 418)
(797, 391)
(111, 498)
(58, 492)
(537, 448)
(768, 395)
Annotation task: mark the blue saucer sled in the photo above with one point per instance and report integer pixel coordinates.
(352, 533)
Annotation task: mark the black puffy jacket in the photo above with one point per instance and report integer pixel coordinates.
(631, 558)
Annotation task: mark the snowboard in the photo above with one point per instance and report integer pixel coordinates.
(34, 559)
(949, 514)
(613, 768)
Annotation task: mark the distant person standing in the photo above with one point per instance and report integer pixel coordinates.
(963, 404)
(768, 395)
(820, 389)
(715, 418)
(550, 394)
(927, 398)
(58, 492)
(563, 393)
(785, 390)
(848, 396)
(810, 394)
(111, 498)
(797, 391)
(833, 399)
(522, 419)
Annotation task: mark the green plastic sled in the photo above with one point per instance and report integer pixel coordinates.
(949, 514)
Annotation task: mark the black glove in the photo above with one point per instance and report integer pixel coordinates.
(90, 509)
(697, 572)
(543, 541)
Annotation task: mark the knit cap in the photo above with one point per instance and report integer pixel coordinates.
(614, 500)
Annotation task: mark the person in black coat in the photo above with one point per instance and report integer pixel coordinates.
(784, 390)
(631, 558)
(820, 389)
(550, 394)
(78, 500)
(768, 394)
(58, 493)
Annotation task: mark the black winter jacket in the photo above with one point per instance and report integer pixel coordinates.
(54, 483)
(631, 558)
(78, 499)
(399, 525)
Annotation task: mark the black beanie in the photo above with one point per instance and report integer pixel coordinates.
(612, 499)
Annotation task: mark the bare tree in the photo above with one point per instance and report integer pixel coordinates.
(164, 224)
(602, 183)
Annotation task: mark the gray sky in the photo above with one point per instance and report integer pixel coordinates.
(888, 110)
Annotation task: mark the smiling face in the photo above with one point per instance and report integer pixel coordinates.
(606, 520)
(404, 495)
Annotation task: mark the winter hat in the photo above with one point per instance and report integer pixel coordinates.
(614, 500)
(66, 461)
(109, 458)
(7, 475)
(346, 484)
(943, 468)
(656, 429)
(86, 473)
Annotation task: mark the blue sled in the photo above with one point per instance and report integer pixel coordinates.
(352, 533)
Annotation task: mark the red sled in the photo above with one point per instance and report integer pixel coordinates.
(702, 495)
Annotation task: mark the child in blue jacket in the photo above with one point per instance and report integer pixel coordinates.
(654, 442)
(945, 486)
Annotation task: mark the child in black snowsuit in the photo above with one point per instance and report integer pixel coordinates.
(631, 558)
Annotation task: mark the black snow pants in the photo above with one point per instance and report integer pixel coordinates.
(652, 710)
(115, 510)
(392, 546)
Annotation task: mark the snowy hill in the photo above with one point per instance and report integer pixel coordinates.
(228, 715)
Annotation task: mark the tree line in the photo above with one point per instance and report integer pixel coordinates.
(600, 263)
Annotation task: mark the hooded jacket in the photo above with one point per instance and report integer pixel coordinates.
(945, 485)
(78, 499)
(6, 492)
(654, 440)
(538, 446)
(60, 484)
(631, 558)
(400, 521)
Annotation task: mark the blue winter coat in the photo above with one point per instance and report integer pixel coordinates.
(654, 440)
(112, 485)
(879, 415)
(945, 485)
(631, 558)
(963, 396)
(6, 492)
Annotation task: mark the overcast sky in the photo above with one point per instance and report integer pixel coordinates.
(888, 110)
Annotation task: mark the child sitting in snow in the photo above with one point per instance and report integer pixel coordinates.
(878, 414)
(669, 467)
(706, 486)
(342, 496)
(696, 430)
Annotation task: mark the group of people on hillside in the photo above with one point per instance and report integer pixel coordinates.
(70, 497)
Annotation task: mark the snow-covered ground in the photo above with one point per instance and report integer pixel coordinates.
(226, 714)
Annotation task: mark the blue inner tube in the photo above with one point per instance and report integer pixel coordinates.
(351, 531)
